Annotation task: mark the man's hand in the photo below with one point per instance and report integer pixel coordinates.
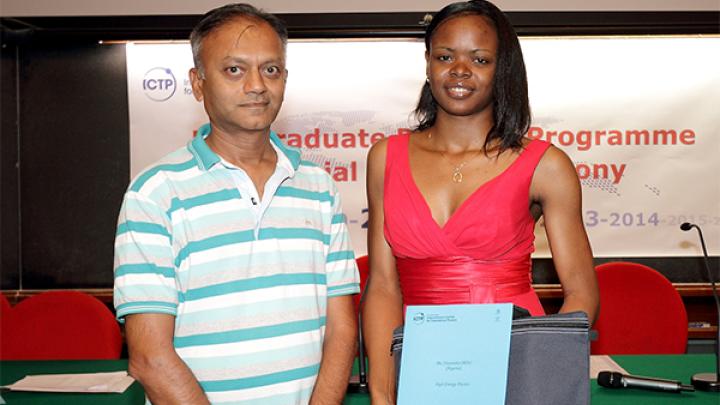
(339, 350)
(155, 364)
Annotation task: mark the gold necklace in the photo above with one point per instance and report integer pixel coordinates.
(457, 176)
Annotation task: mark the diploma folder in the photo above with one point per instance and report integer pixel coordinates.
(455, 354)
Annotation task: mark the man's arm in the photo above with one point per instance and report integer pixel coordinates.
(155, 364)
(339, 350)
(340, 341)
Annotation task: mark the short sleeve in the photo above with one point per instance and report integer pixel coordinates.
(144, 260)
(342, 273)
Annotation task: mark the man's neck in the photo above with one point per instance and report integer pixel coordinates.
(245, 150)
(250, 151)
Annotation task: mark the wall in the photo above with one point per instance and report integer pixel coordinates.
(64, 156)
(64, 164)
(145, 7)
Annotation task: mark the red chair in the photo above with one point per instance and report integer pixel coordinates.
(364, 269)
(640, 312)
(5, 313)
(4, 307)
(62, 325)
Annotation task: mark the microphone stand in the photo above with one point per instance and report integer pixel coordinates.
(708, 381)
(362, 385)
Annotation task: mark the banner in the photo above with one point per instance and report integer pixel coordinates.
(638, 117)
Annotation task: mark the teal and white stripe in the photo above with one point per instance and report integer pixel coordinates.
(250, 299)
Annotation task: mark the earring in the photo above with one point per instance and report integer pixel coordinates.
(427, 80)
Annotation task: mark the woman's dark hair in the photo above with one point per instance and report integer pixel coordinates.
(217, 17)
(511, 109)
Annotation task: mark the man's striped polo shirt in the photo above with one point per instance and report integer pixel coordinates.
(249, 298)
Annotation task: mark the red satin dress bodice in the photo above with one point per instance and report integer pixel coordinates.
(482, 253)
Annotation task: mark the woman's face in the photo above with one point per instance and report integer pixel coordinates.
(461, 65)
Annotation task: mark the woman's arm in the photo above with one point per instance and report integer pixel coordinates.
(382, 299)
(556, 187)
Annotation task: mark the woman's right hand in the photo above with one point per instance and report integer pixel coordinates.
(381, 400)
(382, 299)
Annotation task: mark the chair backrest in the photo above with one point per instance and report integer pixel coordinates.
(4, 307)
(4, 303)
(62, 325)
(364, 269)
(5, 313)
(640, 312)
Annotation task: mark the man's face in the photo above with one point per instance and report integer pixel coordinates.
(242, 83)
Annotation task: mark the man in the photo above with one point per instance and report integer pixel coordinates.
(233, 268)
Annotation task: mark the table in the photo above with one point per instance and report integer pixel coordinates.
(678, 367)
(675, 367)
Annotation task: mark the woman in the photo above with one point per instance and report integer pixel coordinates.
(452, 204)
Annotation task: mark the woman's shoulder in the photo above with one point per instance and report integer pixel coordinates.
(526, 142)
(555, 169)
(553, 157)
(380, 148)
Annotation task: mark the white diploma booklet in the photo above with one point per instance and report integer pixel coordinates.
(600, 363)
(455, 354)
(116, 382)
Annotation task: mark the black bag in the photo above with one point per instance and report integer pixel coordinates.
(549, 359)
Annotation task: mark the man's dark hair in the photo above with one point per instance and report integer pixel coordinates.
(215, 18)
(511, 108)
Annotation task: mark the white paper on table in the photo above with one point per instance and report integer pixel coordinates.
(600, 363)
(117, 381)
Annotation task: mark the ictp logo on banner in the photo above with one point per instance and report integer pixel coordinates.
(159, 84)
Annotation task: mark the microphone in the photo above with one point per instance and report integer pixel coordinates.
(708, 381)
(613, 379)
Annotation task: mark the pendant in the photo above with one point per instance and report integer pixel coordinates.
(457, 177)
